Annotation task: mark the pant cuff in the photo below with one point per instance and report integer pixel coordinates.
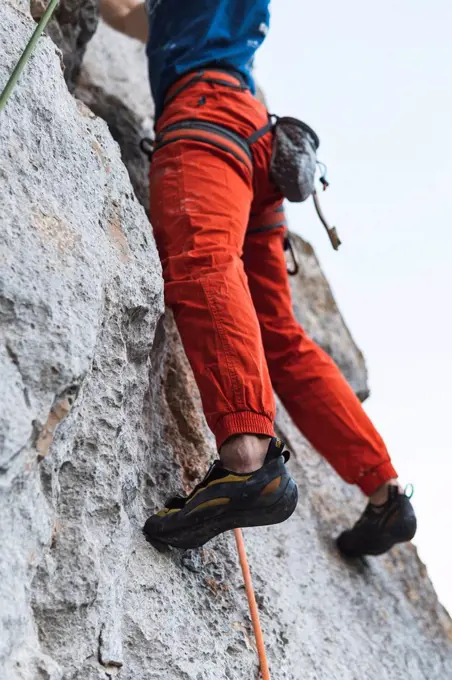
(370, 481)
(242, 422)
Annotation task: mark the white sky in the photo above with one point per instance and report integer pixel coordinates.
(374, 81)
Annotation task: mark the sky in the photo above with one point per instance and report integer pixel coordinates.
(374, 81)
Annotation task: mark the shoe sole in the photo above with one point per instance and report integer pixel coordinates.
(281, 510)
(386, 544)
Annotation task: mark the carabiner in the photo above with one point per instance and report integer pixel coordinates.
(292, 271)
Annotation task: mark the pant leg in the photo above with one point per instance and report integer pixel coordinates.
(200, 204)
(308, 382)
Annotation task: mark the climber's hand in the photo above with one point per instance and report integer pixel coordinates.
(127, 16)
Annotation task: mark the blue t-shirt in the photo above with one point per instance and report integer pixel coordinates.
(187, 34)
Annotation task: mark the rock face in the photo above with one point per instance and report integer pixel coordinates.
(100, 421)
(316, 309)
(114, 84)
(71, 27)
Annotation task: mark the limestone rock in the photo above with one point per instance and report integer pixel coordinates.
(100, 421)
(114, 84)
(316, 309)
(71, 27)
(80, 298)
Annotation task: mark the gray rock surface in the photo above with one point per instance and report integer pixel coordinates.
(114, 84)
(100, 420)
(71, 27)
(316, 309)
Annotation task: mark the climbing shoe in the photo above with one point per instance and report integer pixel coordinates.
(380, 527)
(226, 500)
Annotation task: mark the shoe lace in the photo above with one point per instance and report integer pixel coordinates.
(180, 501)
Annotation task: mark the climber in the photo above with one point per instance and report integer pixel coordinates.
(219, 224)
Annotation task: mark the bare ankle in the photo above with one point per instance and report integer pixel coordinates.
(380, 496)
(244, 452)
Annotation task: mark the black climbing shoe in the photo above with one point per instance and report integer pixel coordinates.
(226, 500)
(380, 527)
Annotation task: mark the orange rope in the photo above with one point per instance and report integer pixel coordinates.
(252, 605)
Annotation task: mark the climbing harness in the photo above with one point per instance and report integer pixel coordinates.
(26, 54)
(252, 604)
(293, 163)
(212, 133)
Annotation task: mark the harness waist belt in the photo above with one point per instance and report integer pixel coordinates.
(217, 76)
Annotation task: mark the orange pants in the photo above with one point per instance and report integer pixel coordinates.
(219, 227)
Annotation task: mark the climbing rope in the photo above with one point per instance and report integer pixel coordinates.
(252, 605)
(26, 54)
